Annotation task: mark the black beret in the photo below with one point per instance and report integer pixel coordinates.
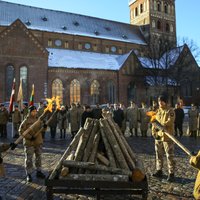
(31, 108)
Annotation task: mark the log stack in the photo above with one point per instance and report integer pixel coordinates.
(99, 151)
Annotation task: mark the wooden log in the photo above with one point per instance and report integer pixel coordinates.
(71, 147)
(81, 146)
(97, 177)
(94, 148)
(138, 172)
(124, 150)
(64, 171)
(108, 149)
(90, 142)
(93, 166)
(103, 160)
(114, 145)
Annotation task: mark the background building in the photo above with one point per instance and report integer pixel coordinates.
(90, 60)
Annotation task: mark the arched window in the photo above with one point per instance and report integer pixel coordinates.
(171, 28)
(158, 25)
(111, 92)
(9, 80)
(94, 91)
(153, 24)
(23, 76)
(136, 12)
(158, 6)
(166, 8)
(75, 91)
(141, 8)
(131, 91)
(57, 89)
(167, 27)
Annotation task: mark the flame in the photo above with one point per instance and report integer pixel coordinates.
(151, 114)
(50, 103)
(58, 101)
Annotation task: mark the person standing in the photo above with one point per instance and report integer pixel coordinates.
(118, 115)
(86, 114)
(74, 119)
(143, 119)
(24, 110)
(4, 117)
(62, 121)
(53, 122)
(193, 117)
(179, 117)
(32, 144)
(163, 145)
(132, 118)
(16, 120)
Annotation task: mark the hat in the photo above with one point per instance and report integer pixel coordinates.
(163, 97)
(31, 108)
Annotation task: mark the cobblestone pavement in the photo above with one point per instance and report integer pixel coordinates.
(14, 185)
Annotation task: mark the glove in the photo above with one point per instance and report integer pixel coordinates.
(195, 161)
(32, 138)
(1, 160)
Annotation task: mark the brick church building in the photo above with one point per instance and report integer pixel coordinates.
(91, 60)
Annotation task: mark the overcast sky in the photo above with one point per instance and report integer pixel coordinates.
(187, 12)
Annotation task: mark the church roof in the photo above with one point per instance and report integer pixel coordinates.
(166, 60)
(68, 23)
(85, 60)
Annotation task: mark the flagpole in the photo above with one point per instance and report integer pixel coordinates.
(11, 104)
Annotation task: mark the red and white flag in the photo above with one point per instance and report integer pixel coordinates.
(20, 96)
(12, 96)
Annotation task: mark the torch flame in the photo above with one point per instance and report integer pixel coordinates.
(50, 103)
(151, 114)
(58, 101)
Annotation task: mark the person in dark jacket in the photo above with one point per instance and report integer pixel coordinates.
(53, 122)
(62, 121)
(118, 115)
(16, 120)
(179, 117)
(87, 113)
(4, 116)
(97, 112)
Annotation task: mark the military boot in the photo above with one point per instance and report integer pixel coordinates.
(29, 178)
(39, 174)
(170, 178)
(158, 174)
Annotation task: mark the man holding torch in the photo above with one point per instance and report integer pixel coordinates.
(163, 145)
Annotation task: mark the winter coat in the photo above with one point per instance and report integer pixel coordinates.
(166, 117)
(84, 116)
(16, 116)
(179, 115)
(118, 116)
(4, 116)
(74, 119)
(62, 119)
(193, 115)
(143, 119)
(31, 139)
(53, 122)
(132, 115)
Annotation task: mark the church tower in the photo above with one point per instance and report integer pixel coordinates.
(157, 19)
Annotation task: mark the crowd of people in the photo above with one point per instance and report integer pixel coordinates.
(132, 118)
(72, 118)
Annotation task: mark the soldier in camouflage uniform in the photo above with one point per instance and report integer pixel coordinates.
(16, 120)
(163, 145)
(32, 144)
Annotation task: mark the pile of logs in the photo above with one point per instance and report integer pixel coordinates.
(99, 151)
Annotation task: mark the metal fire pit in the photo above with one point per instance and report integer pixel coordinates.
(95, 188)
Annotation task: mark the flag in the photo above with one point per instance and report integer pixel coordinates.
(31, 101)
(12, 97)
(20, 96)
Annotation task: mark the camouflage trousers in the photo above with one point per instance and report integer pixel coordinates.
(29, 152)
(162, 148)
